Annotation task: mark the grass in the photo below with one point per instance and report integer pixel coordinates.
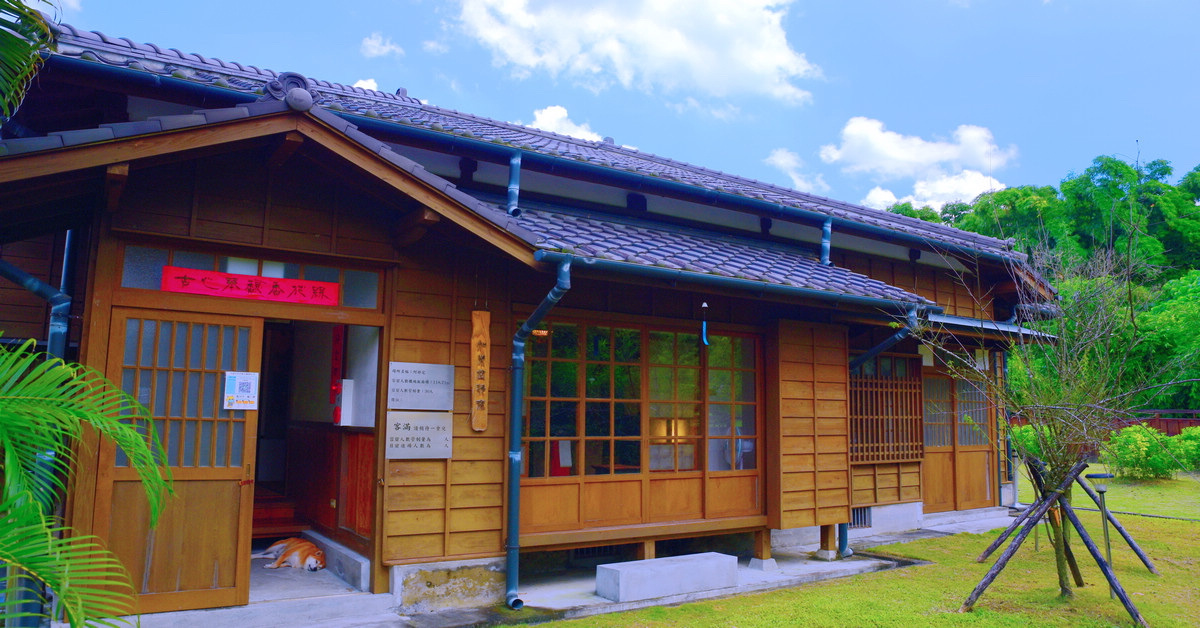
(1178, 497)
(1025, 594)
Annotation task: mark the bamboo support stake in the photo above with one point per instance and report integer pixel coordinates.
(1011, 550)
(1105, 568)
(1008, 531)
(1120, 528)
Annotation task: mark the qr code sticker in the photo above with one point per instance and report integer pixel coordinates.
(244, 387)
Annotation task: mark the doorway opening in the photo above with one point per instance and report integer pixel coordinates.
(316, 454)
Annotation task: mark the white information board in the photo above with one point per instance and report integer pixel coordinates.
(417, 386)
(241, 391)
(419, 435)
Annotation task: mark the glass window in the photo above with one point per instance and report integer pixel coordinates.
(143, 267)
(587, 402)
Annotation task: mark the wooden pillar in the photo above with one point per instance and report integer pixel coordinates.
(645, 550)
(829, 537)
(762, 544)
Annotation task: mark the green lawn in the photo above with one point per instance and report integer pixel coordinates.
(1025, 594)
(1178, 497)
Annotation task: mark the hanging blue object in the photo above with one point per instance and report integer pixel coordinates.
(704, 323)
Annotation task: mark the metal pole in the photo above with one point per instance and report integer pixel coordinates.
(1107, 544)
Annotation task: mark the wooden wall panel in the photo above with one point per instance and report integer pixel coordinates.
(235, 198)
(676, 499)
(961, 294)
(22, 313)
(808, 420)
(432, 323)
(885, 483)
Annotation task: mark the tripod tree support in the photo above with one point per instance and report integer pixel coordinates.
(1105, 568)
(1121, 529)
(1011, 550)
(1009, 530)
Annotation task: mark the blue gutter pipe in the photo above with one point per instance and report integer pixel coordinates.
(843, 540)
(60, 306)
(456, 144)
(826, 240)
(888, 342)
(26, 601)
(514, 184)
(210, 95)
(672, 275)
(516, 414)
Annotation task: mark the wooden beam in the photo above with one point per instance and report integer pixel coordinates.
(42, 163)
(115, 178)
(762, 544)
(829, 537)
(646, 550)
(414, 226)
(291, 142)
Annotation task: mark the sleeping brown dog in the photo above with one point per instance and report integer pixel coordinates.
(293, 552)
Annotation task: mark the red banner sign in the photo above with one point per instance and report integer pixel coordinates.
(214, 284)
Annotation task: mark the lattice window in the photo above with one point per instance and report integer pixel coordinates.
(885, 411)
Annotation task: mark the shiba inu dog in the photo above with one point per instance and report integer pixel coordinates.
(293, 552)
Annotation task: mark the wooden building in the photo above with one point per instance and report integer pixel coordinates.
(703, 355)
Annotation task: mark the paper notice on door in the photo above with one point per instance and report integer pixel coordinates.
(241, 391)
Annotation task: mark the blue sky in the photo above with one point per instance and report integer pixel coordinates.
(866, 101)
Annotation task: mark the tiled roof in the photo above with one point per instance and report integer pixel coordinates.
(626, 240)
(701, 253)
(403, 110)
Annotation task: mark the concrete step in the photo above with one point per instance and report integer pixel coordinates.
(359, 609)
(963, 516)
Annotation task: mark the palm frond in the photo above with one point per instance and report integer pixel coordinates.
(89, 582)
(44, 405)
(24, 33)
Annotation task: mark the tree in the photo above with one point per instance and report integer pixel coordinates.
(1073, 384)
(45, 406)
(24, 33)
(925, 213)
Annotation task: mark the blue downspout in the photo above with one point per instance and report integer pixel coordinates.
(60, 306)
(911, 324)
(843, 540)
(514, 184)
(826, 239)
(56, 345)
(516, 413)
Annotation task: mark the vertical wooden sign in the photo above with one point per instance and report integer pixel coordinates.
(481, 359)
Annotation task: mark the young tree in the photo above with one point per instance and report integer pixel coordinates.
(45, 405)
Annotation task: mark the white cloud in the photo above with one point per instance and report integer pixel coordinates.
(790, 164)
(937, 191)
(375, 45)
(868, 147)
(723, 112)
(366, 84)
(556, 120)
(435, 47)
(718, 48)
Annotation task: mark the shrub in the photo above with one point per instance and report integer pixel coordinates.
(1186, 447)
(1025, 441)
(1140, 452)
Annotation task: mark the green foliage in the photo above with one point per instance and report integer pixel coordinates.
(926, 213)
(1025, 440)
(1186, 447)
(45, 404)
(23, 33)
(1140, 452)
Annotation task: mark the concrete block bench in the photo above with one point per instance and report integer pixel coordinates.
(660, 577)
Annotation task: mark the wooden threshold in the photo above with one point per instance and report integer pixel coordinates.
(628, 534)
